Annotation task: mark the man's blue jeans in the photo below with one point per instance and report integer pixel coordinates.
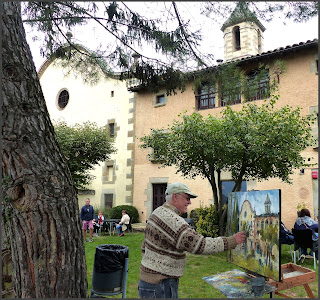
(167, 288)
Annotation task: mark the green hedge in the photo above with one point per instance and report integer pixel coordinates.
(116, 212)
(207, 221)
(106, 211)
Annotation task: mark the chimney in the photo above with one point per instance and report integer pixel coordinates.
(69, 35)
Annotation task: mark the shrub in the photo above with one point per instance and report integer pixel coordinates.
(193, 214)
(207, 221)
(116, 212)
(106, 211)
(184, 215)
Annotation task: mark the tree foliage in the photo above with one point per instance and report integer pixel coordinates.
(84, 146)
(298, 11)
(257, 142)
(172, 38)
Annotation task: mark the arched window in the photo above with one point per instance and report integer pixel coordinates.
(236, 36)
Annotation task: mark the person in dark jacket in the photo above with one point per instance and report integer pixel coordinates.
(305, 222)
(87, 217)
(286, 236)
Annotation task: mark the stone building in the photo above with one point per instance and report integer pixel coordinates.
(108, 104)
(298, 86)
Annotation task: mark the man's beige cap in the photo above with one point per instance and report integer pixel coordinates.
(177, 188)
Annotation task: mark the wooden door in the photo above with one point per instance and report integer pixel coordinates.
(159, 196)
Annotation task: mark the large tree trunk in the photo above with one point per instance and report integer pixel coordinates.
(40, 205)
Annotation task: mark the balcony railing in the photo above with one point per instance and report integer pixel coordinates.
(262, 92)
(206, 101)
(132, 83)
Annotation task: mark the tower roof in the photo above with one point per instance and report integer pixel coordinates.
(240, 14)
(267, 200)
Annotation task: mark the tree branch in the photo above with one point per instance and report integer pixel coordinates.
(185, 36)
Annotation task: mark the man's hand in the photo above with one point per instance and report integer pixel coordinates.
(240, 237)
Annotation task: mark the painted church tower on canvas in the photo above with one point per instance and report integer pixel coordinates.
(242, 33)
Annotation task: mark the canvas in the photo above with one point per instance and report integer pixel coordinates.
(258, 214)
(235, 284)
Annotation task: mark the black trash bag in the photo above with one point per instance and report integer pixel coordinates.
(110, 258)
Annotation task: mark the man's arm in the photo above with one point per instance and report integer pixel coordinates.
(93, 215)
(193, 242)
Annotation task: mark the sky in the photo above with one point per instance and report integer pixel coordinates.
(257, 199)
(276, 34)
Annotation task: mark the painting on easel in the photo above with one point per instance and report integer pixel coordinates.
(258, 214)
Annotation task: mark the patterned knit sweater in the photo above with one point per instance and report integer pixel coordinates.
(167, 238)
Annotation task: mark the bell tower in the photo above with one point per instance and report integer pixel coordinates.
(243, 33)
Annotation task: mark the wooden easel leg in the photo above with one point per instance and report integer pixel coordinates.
(272, 294)
(309, 292)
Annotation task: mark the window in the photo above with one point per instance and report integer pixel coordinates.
(154, 156)
(110, 173)
(160, 99)
(230, 97)
(206, 97)
(259, 40)
(227, 187)
(63, 99)
(236, 37)
(108, 200)
(112, 93)
(111, 129)
(258, 85)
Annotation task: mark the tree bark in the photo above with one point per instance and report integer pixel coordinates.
(40, 202)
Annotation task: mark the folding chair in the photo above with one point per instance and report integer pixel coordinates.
(288, 242)
(303, 239)
(129, 226)
(100, 229)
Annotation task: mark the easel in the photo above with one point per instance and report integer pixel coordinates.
(291, 276)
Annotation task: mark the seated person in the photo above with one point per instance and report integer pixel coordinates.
(305, 222)
(122, 226)
(286, 236)
(98, 222)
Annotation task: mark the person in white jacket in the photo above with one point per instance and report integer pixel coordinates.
(122, 226)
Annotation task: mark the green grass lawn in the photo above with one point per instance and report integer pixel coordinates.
(198, 266)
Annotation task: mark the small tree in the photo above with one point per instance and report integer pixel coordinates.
(258, 142)
(84, 146)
